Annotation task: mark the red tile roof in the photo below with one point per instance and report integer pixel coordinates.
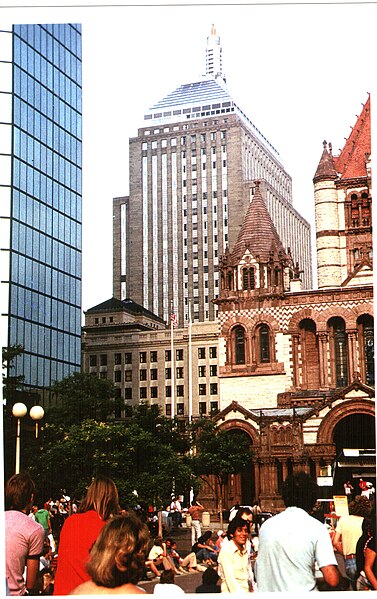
(351, 161)
(258, 233)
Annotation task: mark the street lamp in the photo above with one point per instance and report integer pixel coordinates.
(19, 410)
(36, 413)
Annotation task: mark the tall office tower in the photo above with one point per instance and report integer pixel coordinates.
(40, 189)
(193, 167)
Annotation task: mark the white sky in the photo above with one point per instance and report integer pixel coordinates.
(299, 71)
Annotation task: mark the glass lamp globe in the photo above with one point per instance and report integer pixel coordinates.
(19, 410)
(37, 413)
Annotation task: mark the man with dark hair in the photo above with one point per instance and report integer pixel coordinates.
(23, 536)
(292, 543)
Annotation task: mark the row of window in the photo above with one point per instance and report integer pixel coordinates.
(103, 358)
(153, 373)
(202, 405)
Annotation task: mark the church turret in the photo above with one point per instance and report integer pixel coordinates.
(327, 221)
(343, 209)
(259, 262)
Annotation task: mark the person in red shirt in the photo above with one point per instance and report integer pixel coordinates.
(80, 531)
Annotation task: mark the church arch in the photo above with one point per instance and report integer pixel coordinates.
(358, 406)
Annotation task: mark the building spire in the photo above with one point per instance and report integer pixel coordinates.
(214, 67)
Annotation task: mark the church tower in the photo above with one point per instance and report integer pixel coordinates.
(343, 210)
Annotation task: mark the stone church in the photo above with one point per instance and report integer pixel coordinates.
(296, 367)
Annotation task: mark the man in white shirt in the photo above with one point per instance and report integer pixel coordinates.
(292, 543)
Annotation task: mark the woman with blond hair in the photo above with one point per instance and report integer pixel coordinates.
(117, 558)
(81, 530)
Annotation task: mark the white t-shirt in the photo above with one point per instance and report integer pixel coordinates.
(155, 552)
(291, 544)
(167, 590)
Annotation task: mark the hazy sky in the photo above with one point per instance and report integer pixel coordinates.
(299, 71)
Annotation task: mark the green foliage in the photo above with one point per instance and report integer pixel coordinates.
(219, 452)
(11, 384)
(82, 396)
(139, 454)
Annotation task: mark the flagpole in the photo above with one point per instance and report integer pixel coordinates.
(190, 364)
(172, 362)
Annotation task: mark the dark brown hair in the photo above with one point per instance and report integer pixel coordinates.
(118, 555)
(19, 492)
(102, 497)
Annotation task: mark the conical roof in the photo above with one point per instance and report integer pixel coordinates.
(326, 169)
(351, 161)
(258, 233)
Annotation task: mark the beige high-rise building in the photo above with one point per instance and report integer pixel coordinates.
(192, 171)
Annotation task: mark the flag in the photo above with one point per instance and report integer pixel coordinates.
(174, 319)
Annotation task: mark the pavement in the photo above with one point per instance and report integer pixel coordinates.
(189, 581)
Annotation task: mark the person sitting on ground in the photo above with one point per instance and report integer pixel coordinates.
(220, 539)
(209, 584)
(180, 563)
(117, 558)
(81, 530)
(205, 549)
(167, 587)
(158, 556)
(24, 537)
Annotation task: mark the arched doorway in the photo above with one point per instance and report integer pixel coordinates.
(241, 486)
(354, 432)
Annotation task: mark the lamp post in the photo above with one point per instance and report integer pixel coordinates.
(36, 414)
(19, 410)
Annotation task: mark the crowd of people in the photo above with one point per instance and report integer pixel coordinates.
(95, 547)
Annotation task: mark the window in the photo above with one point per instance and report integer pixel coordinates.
(128, 358)
(201, 371)
(213, 389)
(239, 343)
(103, 375)
(180, 391)
(168, 390)
(118, 376)
(213, 352)
(214, 406)
(202, 408)
(213, 370)
(128, 393)
(143, 393)
(128, 376)
(168, 410)
(103, 359)
(153, 374)
(93, 360)
(201, 353)
(143, 375)
(179, 372)
(248, 277)
(264, 343)
(153, 356)
(143, 357)
(366, 336)
(168, 373)
(179, 354)
(180, 409)
(117, 359)
(154, 392)
(202, 389)
(339, 347)
(167, 355)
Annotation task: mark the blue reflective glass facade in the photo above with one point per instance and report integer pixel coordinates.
(45, 289)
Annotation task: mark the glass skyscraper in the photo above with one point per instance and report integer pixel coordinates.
(41, 198)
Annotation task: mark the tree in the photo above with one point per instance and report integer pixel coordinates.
(219, 453)
(138, 453)
(81, 396)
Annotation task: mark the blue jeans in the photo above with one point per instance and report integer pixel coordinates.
(204, 554)
(351, 570)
